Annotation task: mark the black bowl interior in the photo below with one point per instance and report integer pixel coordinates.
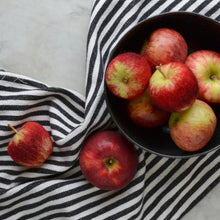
(200, 33)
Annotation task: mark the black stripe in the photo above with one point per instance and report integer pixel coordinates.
(11, 89)
(86, 206)
(71, 95)
(43, 123)
(124, 27)
(201, 196)
(213, 9)
(187, 5)
(154, 203)
(197, 184)
(125, 211)
(152, 9)
(30, 187)
(218, 18)
(201, 6)
(136, 181)
(22, 81)
(117, 193)
(25, 189)
(96, 19)
(39, 113)
(107, 35)
(171, 6)
(94, 5)
(96, 112)
(174, 183)
(42, 193)
(50, 102)
(41, 104)
(16, 172)
(157, 186)
(94, 51)
(57, 206)
(33, 97)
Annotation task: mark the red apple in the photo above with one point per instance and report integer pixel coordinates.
(173, 87)
(145, 113)
(165, 45)
(205, 65)
(127, 75)
(108, 160)
(31, 145)
(193, 128)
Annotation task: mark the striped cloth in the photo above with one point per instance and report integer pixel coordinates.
(162, 188)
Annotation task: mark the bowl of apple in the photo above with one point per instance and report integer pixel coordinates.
(162, 85)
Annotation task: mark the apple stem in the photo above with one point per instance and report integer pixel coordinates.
(10, 126)
(110, 161)
(214, 77)
(125, 80)
(161, 71)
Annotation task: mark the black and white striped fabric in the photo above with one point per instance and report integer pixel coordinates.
(162, 188)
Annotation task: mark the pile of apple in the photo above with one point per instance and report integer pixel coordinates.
(164, 83)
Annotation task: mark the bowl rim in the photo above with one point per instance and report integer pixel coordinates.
(179, 13)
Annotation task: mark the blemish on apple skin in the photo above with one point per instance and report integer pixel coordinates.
(176, 120)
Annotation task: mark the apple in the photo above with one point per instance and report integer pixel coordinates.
(108, 160)
(193, 128)
(143, 112)
(127, 75)
(205, 64)
(173, 87)
(31, 145)
(164, 45)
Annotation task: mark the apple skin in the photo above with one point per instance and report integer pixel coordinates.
(143, 112)
(193, 128)
(128, 75)
(177, 90)
(96, 156)
(31, 145)
(205, 64)
(164, 45)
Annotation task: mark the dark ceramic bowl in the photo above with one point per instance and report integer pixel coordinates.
(200, 33)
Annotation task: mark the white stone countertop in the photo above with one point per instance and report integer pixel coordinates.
(46, 40)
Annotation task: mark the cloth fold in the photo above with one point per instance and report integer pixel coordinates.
(162, 188)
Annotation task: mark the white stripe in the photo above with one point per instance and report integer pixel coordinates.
(93, 37)
(195, 195)
(130, 191)
(198, 177)
(160, 8)
(179, 5)
(194, 5)
(216, 14)
(38, 198)
(176, 188)
(208, 7)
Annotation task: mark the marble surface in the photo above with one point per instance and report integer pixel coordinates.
(46, 40)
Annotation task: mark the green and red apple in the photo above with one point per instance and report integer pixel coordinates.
(31, 145)
(173, 87)
(193, 128)
(164, 45)
(128, 75)
(108, 160)
(143, 112)
(205, 64)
